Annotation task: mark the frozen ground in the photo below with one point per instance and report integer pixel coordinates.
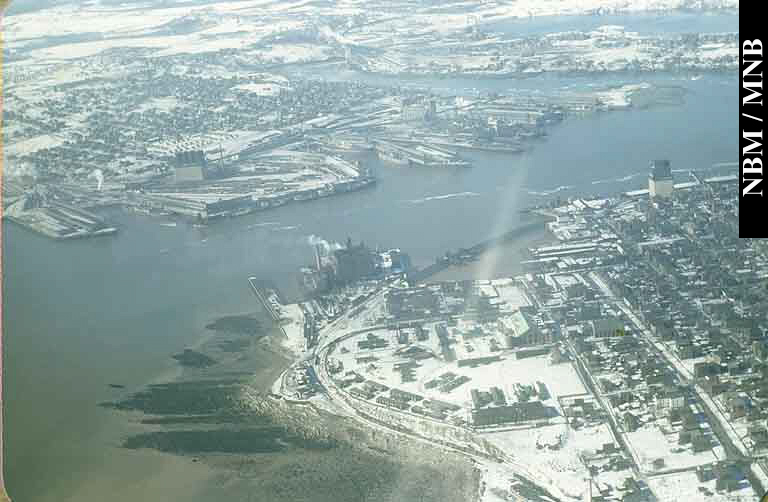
(562, 467)
(650, 443)
(90, 29)
(263, 89)
(560, 379)
(686, 486)
(32, 145)
(293, 325)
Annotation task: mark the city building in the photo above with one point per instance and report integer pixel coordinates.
(660, 180)
(670, 399)
(513, 413)
(610, 326)
(520, 331)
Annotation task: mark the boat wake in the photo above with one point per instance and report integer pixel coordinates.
(443, 197)
(265, 224)
(546, 193)
(622, 179)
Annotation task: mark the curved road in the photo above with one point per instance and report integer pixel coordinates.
(333, 333)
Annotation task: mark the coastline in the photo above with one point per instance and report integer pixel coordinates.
(338, 449)
(501, 259)
(148, 474)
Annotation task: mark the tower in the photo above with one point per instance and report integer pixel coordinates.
(660, 180)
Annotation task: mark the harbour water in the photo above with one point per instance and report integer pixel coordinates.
(81, 315)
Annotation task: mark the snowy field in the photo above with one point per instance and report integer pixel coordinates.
(293, 326)
(34, 144)
(86, 30)
(563, 467)
(560, 379)
(649, 443)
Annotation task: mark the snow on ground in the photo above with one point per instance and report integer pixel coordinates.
(293, 327)
(293, 53)
(77, 19)
(738, 426)
(456, 16)
(236, 24)
(160, 104)
(229, 141)
(72, 20)
(512, 296)
(214, 27)
(717, 51)
(494, 482)
(262, 89)
(198, 45)
(165, 45)
(685, 486)
(616, 98)
(614, 56)
(562, 467)
(64, 52)
(560, 379)
(760, 473)
(30, 145)
(649, 443)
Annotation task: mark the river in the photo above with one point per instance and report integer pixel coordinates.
(82, 314)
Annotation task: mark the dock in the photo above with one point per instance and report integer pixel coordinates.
(417, 153)
(466, 255)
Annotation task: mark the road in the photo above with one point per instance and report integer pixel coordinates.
(732, 442)
(336, 331)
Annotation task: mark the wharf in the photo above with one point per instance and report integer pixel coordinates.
(418, 153)
(57, 225)
(474, 252)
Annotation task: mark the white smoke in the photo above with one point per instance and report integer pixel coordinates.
(99, 178)
(327, 246)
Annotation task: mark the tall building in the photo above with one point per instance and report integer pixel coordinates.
(660, 180)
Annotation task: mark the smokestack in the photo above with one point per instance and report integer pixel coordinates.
(317, 257)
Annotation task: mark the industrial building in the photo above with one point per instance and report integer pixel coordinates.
(520, 330)
(512, 413)
(353, 263)
(189, 166)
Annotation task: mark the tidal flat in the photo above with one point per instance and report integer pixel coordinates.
(264, 449)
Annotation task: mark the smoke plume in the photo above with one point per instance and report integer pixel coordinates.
(327, 246)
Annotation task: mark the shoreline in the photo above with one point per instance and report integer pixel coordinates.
(486, 260)
(301, 432)
(512, 243)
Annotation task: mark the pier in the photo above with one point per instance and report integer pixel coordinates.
(466, 255)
